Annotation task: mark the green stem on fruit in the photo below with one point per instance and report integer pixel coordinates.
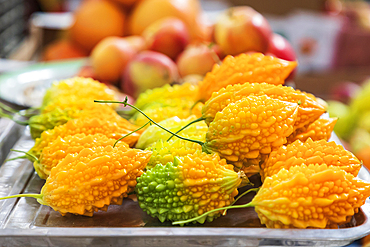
(240, 196)
(36, 196)
(195, 103)
(30, 112)
(27, 155)
(24, 113)
(5, 115)
(17, 158)
(114, 145)
(137, 109)
(182, 222)
(194, 121)
(7, 108)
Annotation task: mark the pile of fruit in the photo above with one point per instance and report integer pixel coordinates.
(139, 45)
(186, 149)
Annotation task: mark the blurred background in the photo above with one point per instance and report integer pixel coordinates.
(330, 37)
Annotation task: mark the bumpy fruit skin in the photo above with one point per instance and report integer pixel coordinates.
(40, 123)
(245, 132)
(57, 150)
(310, 152)
(188, 187)
(164, 152)
(313, 196)
(321, 129)
(185, 90)
(243, 68)
(82, 109)
(159, 111)
(93, 179)
(153, 133)
(77, 88)
(87, 126)
(310, 108)
(166, 102)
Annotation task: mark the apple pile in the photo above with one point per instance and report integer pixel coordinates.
(169, 41)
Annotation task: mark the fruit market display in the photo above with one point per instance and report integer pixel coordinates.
(211, 113)
(184, 155)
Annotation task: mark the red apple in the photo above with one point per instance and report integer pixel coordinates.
(169, 36)
(148, 70)
(281, 48)
(198, 59)
(242, 29)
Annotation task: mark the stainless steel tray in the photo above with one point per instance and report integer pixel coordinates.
(23, 222)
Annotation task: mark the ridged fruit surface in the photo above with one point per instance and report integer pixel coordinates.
(188, 187)
(310, 108)
(243, 68)
(245, 132)
(310, 152)
(93, 179)
(57, 150)
(313, 196)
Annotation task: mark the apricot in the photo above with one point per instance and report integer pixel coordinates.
(96, 20)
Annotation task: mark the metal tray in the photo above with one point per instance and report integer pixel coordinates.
(23, 222)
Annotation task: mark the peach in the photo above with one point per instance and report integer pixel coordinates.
(148, 11)
(110, 57)
(169, 36)
(242, 29)
(148, 70)
(198, 59)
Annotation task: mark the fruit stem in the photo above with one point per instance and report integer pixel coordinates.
(5, 115)
(194, 121)
(209, 212)
(137, 109)
(114, 145)
(17, 158)
(24, 113)
(31, 156)
(7, 108)
(30, 112)
(36, 196)
(195, 103)
(240, 196)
